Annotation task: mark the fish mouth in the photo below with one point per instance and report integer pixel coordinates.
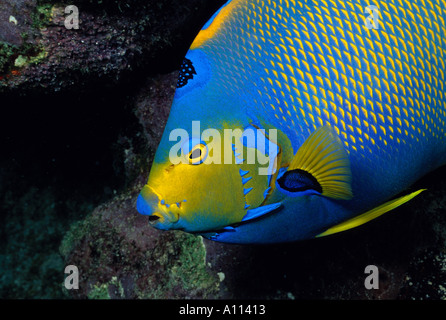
(164, 216)
(162, 221)
(161, 215)
(154, 218)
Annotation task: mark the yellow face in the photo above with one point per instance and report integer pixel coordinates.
(212, 187)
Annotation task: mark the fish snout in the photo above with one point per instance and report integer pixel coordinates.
(148, 203)
(144, 207)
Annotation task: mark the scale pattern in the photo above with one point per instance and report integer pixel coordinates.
(314, 63)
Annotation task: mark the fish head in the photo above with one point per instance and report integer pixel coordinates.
(209, 181)
(206, 172)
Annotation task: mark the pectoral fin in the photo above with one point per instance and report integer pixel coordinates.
(371, 214)
(321, 165)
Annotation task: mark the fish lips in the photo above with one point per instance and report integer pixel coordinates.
(160, 219)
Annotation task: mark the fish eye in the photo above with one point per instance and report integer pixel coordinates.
(194, 151)
(198, 154)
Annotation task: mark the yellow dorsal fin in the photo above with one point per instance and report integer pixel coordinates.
(371, 214)
(323, 156)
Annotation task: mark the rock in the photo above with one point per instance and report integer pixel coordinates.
(114, 43)
(119, 257)
(153, 106)
(16, 37)
(14, 18)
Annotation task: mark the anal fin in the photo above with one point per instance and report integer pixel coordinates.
(370, 215)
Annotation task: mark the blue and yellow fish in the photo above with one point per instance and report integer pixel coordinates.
(342, 100)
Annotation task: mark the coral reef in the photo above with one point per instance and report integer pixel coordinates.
(116, 262)
(115, 41)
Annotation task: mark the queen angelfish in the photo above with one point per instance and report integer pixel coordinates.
(341, 104)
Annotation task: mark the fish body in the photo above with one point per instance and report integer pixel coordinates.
(366, 82)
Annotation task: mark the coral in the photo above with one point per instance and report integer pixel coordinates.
(426, 276)
(101, 291)
(114, 43)
(7, 51)
(29, 262)
(117, 255)
(17, 44)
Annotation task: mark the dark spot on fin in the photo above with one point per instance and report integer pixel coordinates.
(187, 72)
(298, 180)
